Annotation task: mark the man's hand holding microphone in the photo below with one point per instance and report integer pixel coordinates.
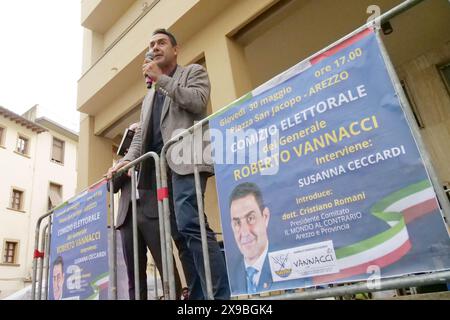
(150, 69)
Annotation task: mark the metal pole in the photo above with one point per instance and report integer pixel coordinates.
(443, 200)
(201, 215)
(112, 244)
(137, 287)
(41, 262)
(402, 7)
(385, 284)
(167, 229)
(36, 248)
(155, 279)
(47, 257)
(125, 168)
(162, 233)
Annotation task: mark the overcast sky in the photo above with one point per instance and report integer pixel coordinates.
(40, 57)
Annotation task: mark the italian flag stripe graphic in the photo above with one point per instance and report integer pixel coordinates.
(99, 283)
(385, 248)
(341, 46)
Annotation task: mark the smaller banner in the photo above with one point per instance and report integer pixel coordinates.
(78, 252)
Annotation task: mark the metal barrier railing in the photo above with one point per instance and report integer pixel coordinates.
(41, 261)
(167, 290)
(385, 284)
(42, 252)
(155, 280)
(112, 245)
(47, 257)
(38, 256)
(167, 229)
(204, 242)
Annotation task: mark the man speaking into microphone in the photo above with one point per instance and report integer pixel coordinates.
(177, 97)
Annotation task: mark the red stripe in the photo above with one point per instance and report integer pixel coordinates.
(163, 193)
(38, 254)
(98, 185)
(410, 214)
(419, 210)
(103, 285)
(383, 261)
(341, 46)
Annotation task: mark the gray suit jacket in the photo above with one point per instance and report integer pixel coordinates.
(187, 94)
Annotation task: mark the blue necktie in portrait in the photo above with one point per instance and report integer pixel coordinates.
(251, 285)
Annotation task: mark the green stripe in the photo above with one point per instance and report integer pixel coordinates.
(388, 216)
(61, 205)
(403, 193)
(239, 101)
(101, 276)
(95, 287)
(371, 242)
(378, 211)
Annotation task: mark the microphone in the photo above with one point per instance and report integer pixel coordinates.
(149, 57)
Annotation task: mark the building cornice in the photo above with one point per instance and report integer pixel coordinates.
(8, 114)
(53, 125)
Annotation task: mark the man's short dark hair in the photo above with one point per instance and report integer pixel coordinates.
(59, 260)
(245, 189)
(173, 41)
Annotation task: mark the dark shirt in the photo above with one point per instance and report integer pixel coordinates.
(154, 135)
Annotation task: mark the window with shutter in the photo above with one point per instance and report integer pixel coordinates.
(58, 151)
(10, 252)
(22, 145)
(16, 199)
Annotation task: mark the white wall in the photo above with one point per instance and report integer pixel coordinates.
(16, 171)
(33, 175)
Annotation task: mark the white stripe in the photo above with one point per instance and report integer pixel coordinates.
(376, 252)
(101, 281)
(397, 240)
(411, 200)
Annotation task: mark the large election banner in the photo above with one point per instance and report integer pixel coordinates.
(79, 247)
(337, 191)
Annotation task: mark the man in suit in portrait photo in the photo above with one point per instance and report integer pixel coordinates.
(249, 218)
(249, 221)
(58, 278)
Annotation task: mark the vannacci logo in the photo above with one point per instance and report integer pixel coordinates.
(281, 261)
